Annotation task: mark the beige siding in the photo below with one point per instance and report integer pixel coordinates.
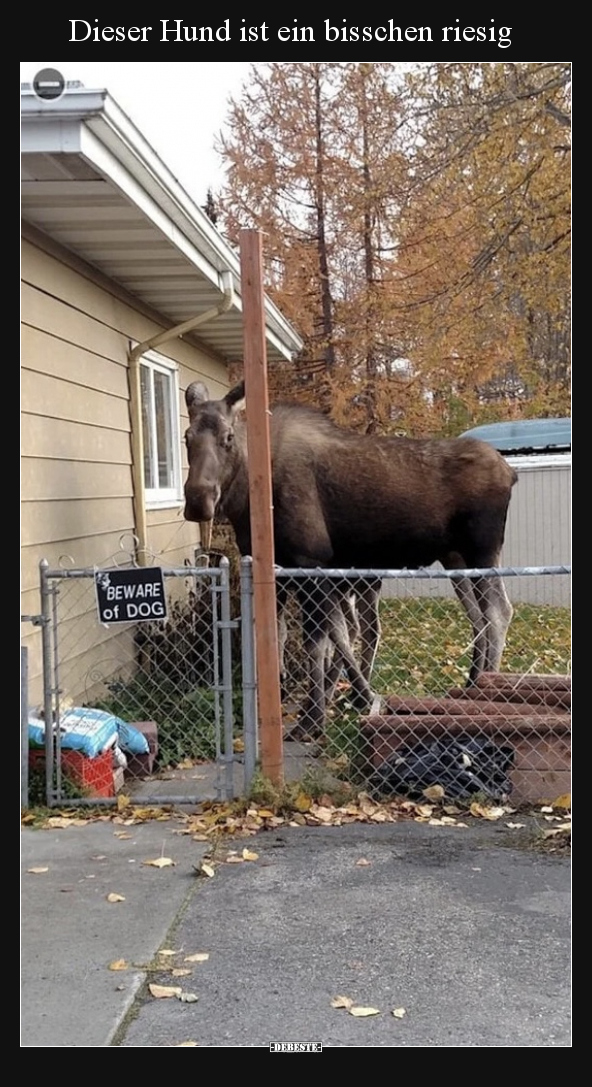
(73, 479)
(76, 461)
(51, 396)
(84, 670)
(68, 520)
(47, 353)
(64, 440)
(80, 553)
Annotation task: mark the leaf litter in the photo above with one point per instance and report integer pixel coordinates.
(213, 819)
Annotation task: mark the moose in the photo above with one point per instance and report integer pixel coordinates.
(344, 500)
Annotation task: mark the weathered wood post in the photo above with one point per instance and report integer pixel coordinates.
(261, 506)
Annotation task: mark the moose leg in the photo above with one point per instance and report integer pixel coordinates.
(498, 613)
(316, 606)
(489, 611)
(367, 599)
(468, 593)
(344, 624)
(327, 647)
(282, 637)
(343, 628)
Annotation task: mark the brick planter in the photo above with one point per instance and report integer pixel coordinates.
(508, 709)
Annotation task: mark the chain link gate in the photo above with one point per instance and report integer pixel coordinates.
(184, 684)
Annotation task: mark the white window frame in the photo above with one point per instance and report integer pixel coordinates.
(160, 497)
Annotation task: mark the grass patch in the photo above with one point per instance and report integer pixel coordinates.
(425, 647)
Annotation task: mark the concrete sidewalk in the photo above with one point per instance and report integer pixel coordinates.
(467, 929)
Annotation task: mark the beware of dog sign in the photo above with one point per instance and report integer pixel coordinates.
(131, 595)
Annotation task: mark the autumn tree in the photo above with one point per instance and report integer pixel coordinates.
(484, 255)
(416, 223)
(279, 178)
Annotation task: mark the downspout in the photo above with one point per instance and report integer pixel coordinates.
(134, 356)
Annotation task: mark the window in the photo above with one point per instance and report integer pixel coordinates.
(160, 421)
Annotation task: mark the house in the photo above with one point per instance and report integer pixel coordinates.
(129, 293)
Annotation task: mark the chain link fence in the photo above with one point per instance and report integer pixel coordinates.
(405, 719)
(374, 670)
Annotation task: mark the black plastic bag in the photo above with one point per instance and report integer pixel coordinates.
(462, 766)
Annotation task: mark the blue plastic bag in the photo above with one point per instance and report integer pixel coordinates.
(91, 731)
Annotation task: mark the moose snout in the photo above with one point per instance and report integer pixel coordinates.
(200, 503)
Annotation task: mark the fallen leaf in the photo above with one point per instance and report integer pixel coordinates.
(122, 802)
(119, 964)
(112, 897)
(206, 870)
(188, 998)
(342, 1002)
(323, 814)
(515, 826)
(238, 744)
(563, 801)
(433, 792)
(398, 1013)
(160, 862)
(179, 972)
(265, 813)
(178, 1044)
(248, 855)
(122, 834)
(547, 809)
(361, 1013)
(234, 859)
(163, 991)
(167, 951)
(486, 813)
(303, 802)
(37, 871)
(199, 956)
(559, 829)
(363, 863)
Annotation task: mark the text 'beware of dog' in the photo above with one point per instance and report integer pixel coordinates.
(130, 596)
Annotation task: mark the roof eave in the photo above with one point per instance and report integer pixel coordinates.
(90, 123)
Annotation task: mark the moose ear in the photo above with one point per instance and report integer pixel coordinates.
(235, 399)
(196, 393)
